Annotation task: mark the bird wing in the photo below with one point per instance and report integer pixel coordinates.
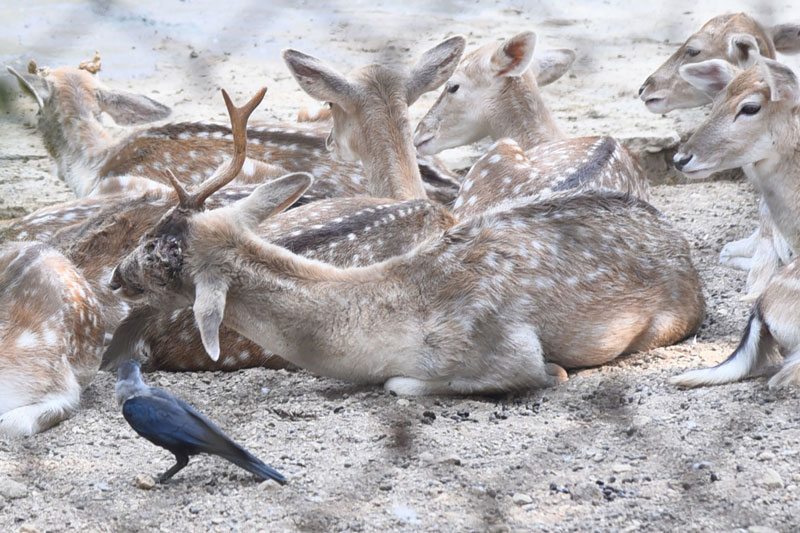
(167, 423)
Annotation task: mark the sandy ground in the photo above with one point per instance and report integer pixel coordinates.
(614, 449)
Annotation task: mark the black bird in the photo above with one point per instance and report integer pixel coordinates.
(173, 424)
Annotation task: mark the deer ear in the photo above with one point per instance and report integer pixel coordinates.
(515, 55)
(552, 64)
(209, 309)
(743, 50)
(36, 86)
(783, 85)
(709, 77)
(272, 197)
(434, 67)
(319, 80)
(786, 38)
(129, 108)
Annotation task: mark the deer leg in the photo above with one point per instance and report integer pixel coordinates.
(405, 386)
(739, 254)
(789, 374)
(35, 418)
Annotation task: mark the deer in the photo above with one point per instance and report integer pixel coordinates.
(734, 37)
(497, 302)
(546, 68)
(772, 333)
(92, 162)
(494, 92)
(369, 107)
(95, 233)
(740, 40)
(754, 125)
(51, 337)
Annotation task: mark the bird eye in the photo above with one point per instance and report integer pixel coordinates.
(748, 109)
(452, 88)
(692, 52)
(329, 105)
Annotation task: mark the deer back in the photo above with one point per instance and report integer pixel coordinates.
(506, 172)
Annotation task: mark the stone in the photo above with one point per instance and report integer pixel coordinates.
(451, 460)
(766, 456)
(12, 490)
(144, 482)
(586, 492)
(521, 499)
(770, 479)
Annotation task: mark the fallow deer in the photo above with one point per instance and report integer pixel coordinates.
(772, 331)
(499, 302)
(722, 37)
(91, 161)
(740, 40)
(494, 92)
(51, 337)
(370, 112)
(96, 233)
(754, 124)
(543, 68)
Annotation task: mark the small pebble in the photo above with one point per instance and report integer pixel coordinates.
(12, 490)
(766, 456)
(521, 499)
(451, 460)
(144, 481)
(770, 479)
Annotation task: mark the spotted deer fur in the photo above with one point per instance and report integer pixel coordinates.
(95, 233)
(772, 332)
(91, 161)
(498, 302)
(734, 37)
(754, 124)
(51, 337)
(494, 92)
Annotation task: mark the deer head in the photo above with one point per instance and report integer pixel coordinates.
(155, 265)
(753, 112)
(475, 97)
(370, 112)
(738, 39)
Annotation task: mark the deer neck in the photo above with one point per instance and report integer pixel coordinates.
(359, 324)
(390, 160)
(777, 178)
(79, 144)
(518, 112)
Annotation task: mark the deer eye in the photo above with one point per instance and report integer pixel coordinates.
(452, 88)
(692, 52)
(748, 109)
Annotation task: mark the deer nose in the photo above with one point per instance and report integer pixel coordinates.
(645, 84)
(116, 279)
(681, 160)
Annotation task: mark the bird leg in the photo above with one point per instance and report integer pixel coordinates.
(182, 461)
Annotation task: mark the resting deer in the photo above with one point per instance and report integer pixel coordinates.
(722, 37)
(773, 330)
(96, 233)
(51, 337)
(370, 111)
(548, 67)
(91, 161)
(740, 40)
(499, 302)
(754, 125)
(494, 92)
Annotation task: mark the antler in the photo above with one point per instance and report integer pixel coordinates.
(227, 172)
